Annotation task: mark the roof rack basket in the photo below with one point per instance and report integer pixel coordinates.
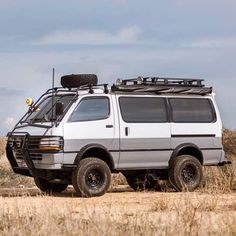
(160, 85)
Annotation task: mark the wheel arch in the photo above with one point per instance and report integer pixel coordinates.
(95, 150)
(187, 149)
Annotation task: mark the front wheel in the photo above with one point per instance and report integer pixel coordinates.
(48, 187)
(91, 178)
(185, 173)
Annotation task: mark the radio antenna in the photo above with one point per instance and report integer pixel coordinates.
(53, 78)
(53, 95)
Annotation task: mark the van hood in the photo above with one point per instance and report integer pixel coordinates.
(34, 130)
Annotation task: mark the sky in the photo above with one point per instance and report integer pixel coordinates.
(115, 39)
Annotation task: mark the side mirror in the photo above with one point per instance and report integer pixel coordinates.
(59, 108)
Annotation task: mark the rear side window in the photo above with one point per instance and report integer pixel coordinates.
(191, 110)
(143, 109)
(93, 108)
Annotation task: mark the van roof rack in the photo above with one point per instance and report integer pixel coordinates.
(160, 85)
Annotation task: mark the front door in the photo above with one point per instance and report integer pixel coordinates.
(91, 122)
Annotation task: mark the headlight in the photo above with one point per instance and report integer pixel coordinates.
(51, 144)
(15, 142)
(18, 142)
(10, 142)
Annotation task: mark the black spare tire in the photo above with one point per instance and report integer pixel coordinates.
(75, 81)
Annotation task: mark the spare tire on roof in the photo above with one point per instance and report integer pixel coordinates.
(75, 81)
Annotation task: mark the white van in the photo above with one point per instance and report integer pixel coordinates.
(148, 129)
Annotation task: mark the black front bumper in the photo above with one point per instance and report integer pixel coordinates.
(18, 170)
(30, 170)
(28, 149)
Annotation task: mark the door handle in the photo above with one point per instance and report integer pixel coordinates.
(109, 126)
(126, 131)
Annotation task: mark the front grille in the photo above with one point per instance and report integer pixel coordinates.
(18, 155)
(31, 144)
(33, 156)
(36, 144)
(36, 156)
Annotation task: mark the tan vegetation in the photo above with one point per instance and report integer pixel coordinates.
(120, 213)
(211, 210)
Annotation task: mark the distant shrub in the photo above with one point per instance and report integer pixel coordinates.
(2, 146)
(229, 141)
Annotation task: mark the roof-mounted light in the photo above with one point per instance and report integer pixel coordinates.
(119, 81)
(140, 80)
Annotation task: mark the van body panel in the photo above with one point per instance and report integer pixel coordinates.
(143, 145)
(79, 134)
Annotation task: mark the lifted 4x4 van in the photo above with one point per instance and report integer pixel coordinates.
(148, 129)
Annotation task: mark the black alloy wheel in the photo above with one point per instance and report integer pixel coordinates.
(185, 173)
(91, 178)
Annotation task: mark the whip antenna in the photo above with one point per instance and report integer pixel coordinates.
(53, 95)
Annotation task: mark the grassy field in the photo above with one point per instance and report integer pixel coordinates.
(211, 210)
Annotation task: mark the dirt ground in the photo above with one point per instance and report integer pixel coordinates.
(117, 212)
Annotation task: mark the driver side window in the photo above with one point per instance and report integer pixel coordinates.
(91, 108)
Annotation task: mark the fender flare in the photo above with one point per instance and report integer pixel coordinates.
(182, 146)
(88, 147)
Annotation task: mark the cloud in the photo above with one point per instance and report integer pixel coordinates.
(226, 42)
(126, 35)
(9, 123)
(10, 92)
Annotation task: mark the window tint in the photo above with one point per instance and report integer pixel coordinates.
(192, 110)
(96, 108)
(143, 109)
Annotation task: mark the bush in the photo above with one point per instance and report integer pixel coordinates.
(2, 146)
(229, 141)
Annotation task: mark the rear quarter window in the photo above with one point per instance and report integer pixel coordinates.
(192, 110)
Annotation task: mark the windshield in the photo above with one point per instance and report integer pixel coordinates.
(45, 111)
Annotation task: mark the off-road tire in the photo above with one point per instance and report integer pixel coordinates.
(75, 81)
(48, 187)
(91, 178)
(185, 173)
(142, 183)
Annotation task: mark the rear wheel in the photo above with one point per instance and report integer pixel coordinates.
(48, 187)
(91, 178)
(185, 173)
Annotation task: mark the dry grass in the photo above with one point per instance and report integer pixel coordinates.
(114, 214)
(2, 146)
(7, 178)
